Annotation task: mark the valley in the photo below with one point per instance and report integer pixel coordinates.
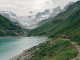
(62, 30)
(61, 26)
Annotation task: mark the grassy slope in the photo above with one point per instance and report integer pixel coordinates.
(57, 23)
(66, 23)
(72, 28)
(55, 50)
(7, 28)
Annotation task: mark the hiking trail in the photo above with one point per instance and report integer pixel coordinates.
(78, 49)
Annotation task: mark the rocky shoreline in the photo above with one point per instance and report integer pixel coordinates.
(25, 55)
(29, 53)
(11, 36)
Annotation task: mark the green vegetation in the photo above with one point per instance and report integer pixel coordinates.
(67, 24)
(8, 28)
(77, 59)
(55, 50)
(60, 22)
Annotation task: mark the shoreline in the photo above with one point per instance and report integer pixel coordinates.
(19, 36)
(11, 36)
(27, 54)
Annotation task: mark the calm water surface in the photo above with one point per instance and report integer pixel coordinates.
(10, 47)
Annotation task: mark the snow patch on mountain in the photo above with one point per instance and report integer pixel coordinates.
(30, 22)
(55, 12)
(11, 16)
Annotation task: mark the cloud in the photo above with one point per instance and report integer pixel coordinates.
(62, 3)
(23, 7)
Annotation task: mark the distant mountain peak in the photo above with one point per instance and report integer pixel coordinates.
(55, 12)
(70, 3)
(31, 20)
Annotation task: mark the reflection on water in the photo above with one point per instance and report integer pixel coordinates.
(10, 47)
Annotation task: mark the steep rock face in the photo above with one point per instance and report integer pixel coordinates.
(70, 3)
(25, 21)
(30, 22)
(43, 15)
(33, 21)
(57, 23)
(11, 16)
(7, 28)
(55, 12)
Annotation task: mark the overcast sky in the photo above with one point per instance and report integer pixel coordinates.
(24, 7)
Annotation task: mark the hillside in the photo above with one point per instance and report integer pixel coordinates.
(65, 24)
(60, 22)
(49, 50)
(62, 31)
(8, 28)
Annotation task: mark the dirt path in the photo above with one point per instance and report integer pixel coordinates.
(78, 49)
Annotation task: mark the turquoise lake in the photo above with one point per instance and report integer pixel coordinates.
(10, 47)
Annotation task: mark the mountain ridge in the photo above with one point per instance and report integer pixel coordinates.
(32, 20)
(7, 28)
(56, 21)
(61, 30)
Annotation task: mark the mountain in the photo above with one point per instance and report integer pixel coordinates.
(65, 27)
(43, 15)
(11, 16)
(70, 3)
(61, 21)
(63, 30)
(31, 22)
(27, 22)
(23, 21)
(7, 28)
(55, 12)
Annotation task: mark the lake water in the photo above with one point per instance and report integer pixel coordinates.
(10, 47)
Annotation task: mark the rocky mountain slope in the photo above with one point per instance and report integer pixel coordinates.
(9, 15)
(70, 3)
(31, 21)
(57, 23)
(62, 29)
(55, 12)
(7, 28)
